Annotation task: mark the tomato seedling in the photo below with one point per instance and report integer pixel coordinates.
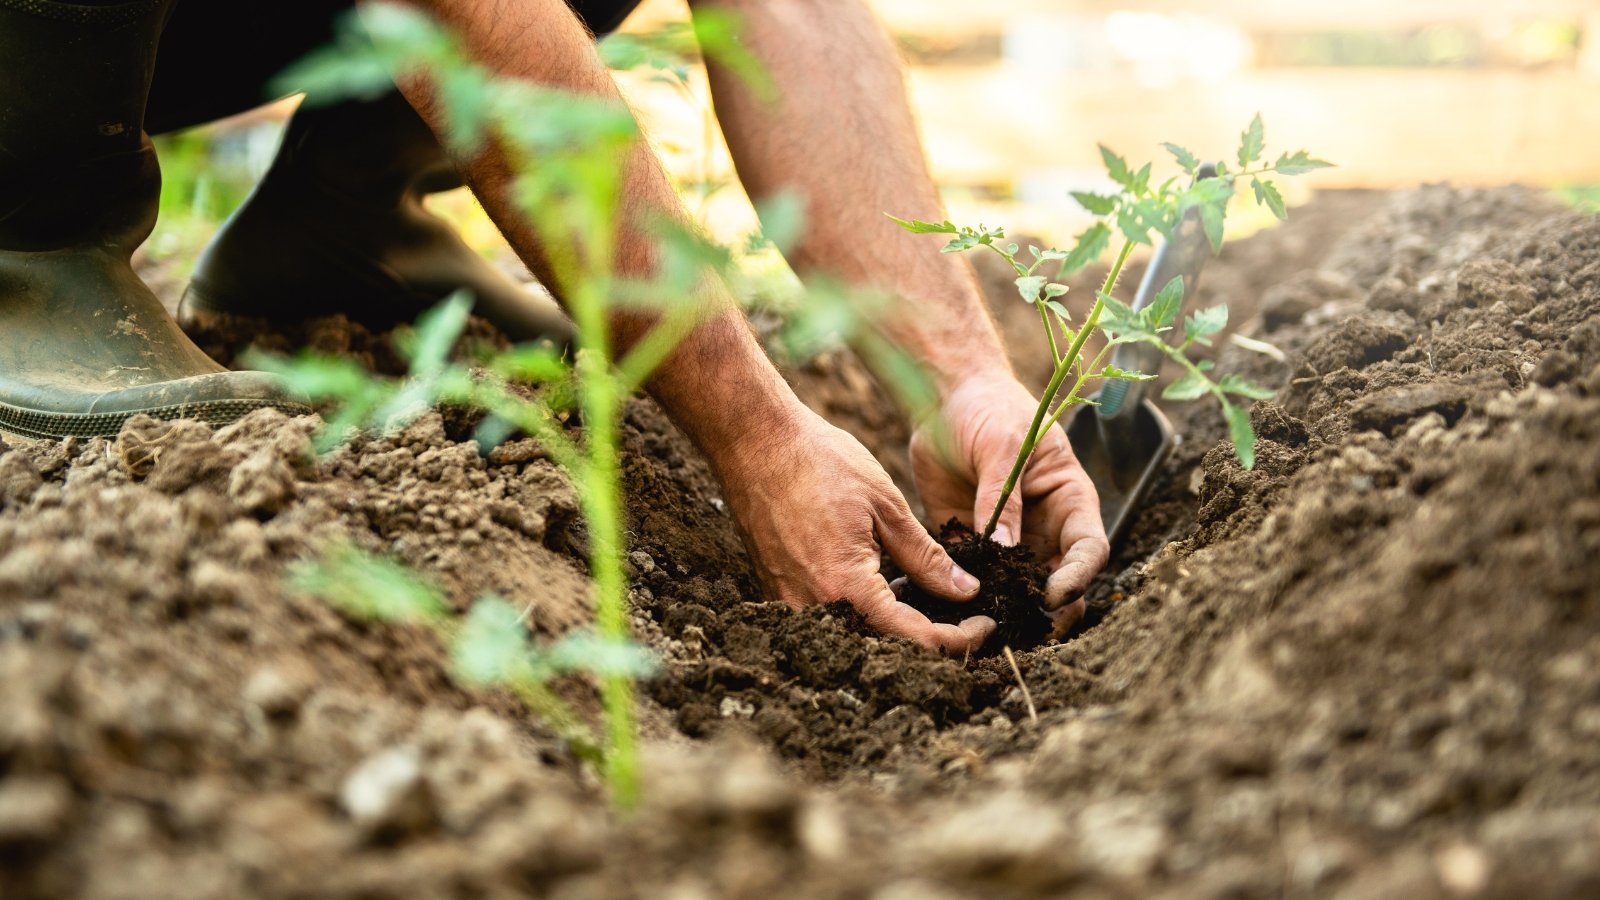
(1137, 210)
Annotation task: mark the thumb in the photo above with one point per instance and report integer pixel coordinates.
(918, 554)
(992, 475)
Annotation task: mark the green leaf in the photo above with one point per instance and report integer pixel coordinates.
(370, 587)
(1141, 179)
(1030, 287)
(1251, 142)
(1053, 289)
(492, 647)
(1238, 384)
(1091, 243)
(530, 362)
(783, 218)
(1167, 303)
(1187, 160)
(1211, 219)
(917, 226)
(585, 651)
(1267, 195)
(1099, 204)
(1132, 226)
(1202, 323)
(1299, 164)
(1116, 167)
(1122, 374)
(428, 346)
(1244, 436)
(1119, 318)
(1188, 387)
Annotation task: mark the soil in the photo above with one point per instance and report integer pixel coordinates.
(1370, 667)
(1012, 591)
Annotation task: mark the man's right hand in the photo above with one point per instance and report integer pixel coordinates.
(815, 507)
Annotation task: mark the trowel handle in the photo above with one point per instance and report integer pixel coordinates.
(1184, 254)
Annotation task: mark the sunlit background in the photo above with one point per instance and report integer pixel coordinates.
(1014, 95)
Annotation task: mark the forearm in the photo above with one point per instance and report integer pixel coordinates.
(718, 384)
(841, 134)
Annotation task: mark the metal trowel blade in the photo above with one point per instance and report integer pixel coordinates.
(1123, 464)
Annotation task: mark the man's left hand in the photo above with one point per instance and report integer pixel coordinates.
(961, 468)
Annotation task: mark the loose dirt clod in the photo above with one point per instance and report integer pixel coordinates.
(1368, 667)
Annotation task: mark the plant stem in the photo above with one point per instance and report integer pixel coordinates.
(1063, 366)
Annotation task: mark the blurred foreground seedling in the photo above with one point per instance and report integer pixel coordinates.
(1136, 211)
(568, 152)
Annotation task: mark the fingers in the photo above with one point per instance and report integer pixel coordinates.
(918, 554)
(1079, 564)
(889, 616)
(1062, 620)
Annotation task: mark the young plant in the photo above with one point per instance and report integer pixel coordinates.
(1137, 210)
(568, 152)
(489, 647)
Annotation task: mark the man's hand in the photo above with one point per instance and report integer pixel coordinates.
(815, 508)
(960, 472)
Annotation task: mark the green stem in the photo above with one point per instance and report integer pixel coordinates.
(1044, 318)
(1063, 367)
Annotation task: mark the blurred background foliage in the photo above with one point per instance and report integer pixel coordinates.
(1014, 95)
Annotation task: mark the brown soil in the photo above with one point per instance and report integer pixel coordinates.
(1012, 591)
(1370, 667)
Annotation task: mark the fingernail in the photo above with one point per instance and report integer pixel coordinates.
(963, 579)
(1002, 536)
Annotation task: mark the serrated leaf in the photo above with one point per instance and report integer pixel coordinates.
(1119, 318)
(1030, 287)
(1244, 436)
(1116, 167)
(917, 226)
(1187, 160)
(1141, 179)
(1164, 309)
(1123, 374)
(1132, 226)
(1238, 384)
(1267, 195)
(1091, 243)
(1189, 387)
(1099, 204)
(1199, 325)
(1299, 163)
(1252, 142)
(492, 646)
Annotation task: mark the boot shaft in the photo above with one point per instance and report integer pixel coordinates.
(76, 167)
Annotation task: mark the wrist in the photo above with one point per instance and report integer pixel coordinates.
(725, 395)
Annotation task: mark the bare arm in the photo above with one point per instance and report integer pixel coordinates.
(813, 505)
(841, 134)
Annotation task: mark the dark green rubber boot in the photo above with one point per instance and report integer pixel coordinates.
(84, 344)
(337, 225)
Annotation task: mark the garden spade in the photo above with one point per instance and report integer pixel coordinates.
(1124, 441)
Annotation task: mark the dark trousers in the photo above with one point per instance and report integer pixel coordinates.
(218, 56)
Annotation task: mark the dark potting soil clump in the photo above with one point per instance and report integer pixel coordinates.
(1012, 592)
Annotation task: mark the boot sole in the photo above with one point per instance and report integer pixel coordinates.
(41, 425)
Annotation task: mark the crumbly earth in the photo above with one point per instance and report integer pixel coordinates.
(1370, 667)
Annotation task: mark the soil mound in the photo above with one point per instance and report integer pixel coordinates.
(1370, 667)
